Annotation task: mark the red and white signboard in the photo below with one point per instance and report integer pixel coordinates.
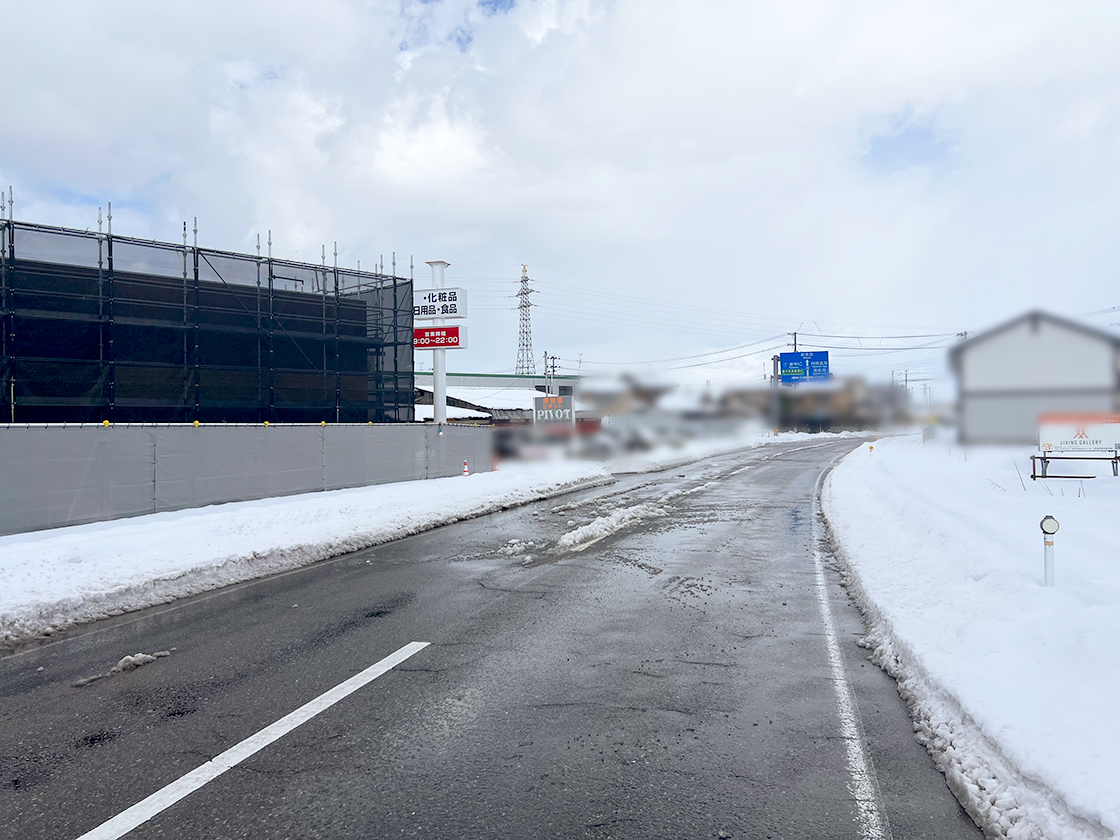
(439, 338)
(1078, 432)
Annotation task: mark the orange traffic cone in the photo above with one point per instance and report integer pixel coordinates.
(465, 470)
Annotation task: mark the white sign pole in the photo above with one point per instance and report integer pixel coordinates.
(439, 357)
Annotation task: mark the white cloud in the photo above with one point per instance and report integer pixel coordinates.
(423, 146)
(862, 167)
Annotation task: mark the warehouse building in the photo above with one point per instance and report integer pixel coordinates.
(1035, 364)
(100, 327)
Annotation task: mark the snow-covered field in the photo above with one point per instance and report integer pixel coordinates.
(1013, 685)
(66, 576)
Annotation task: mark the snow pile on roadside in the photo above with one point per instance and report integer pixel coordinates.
(604, 526)
(1012, 685)
(58, 578)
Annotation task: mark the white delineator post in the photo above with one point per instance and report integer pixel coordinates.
(439, 356)
(1049, 526)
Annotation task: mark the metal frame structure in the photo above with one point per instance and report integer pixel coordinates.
(103, 327)
(526, 364)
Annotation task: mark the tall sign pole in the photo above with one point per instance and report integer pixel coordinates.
(439, 357)
(775, 409)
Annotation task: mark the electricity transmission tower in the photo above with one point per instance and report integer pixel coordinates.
(525, 362)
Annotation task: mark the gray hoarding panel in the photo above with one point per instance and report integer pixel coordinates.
(436, 447)
(355, 456)
(215, 464)
(446, 454)
(55, 476)
(473, 444)
(63, 476)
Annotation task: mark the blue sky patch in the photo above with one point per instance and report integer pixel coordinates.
(909, 143)
(68, 196)
(496, 7)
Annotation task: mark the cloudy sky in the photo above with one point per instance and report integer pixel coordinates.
(680, 177)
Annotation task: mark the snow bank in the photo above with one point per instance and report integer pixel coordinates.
(1012, 685)
(58, 578)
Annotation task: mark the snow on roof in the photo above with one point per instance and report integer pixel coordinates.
(682, 399)
(499, 398)
(496, 397)
(427, 412)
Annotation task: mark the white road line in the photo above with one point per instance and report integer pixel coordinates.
(863, 786)
(164, 798)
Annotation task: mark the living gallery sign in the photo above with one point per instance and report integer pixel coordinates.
(1078, 432)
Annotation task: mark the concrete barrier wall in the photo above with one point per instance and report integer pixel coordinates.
(65, 475)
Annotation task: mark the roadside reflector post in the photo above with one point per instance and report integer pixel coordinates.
(1049, 526)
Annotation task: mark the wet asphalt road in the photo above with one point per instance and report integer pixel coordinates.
(669, 681)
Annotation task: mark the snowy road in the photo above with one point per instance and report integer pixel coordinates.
(664, 657)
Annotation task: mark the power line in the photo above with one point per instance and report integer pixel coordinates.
(645, 284)
(694, 356)
(1100, 312)
(709, 363)
(871, 351)
(880, 337)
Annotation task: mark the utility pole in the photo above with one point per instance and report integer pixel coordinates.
(549, 370)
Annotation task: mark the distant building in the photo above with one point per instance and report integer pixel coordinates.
(831, 405)
(1034, 364)
(497, 399)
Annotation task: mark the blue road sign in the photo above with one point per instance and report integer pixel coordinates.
(799, 367)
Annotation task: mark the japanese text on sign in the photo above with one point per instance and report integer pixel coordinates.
(553, 410)
(798, 367)
(439, 303)
(439, 338)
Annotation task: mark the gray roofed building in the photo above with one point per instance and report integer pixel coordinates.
(1034, 364)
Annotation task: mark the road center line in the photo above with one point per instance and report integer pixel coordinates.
(863, 786)
(164, 798)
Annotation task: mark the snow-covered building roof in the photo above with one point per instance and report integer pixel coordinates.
(427, 412)
(515, 398)
(495, 399)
